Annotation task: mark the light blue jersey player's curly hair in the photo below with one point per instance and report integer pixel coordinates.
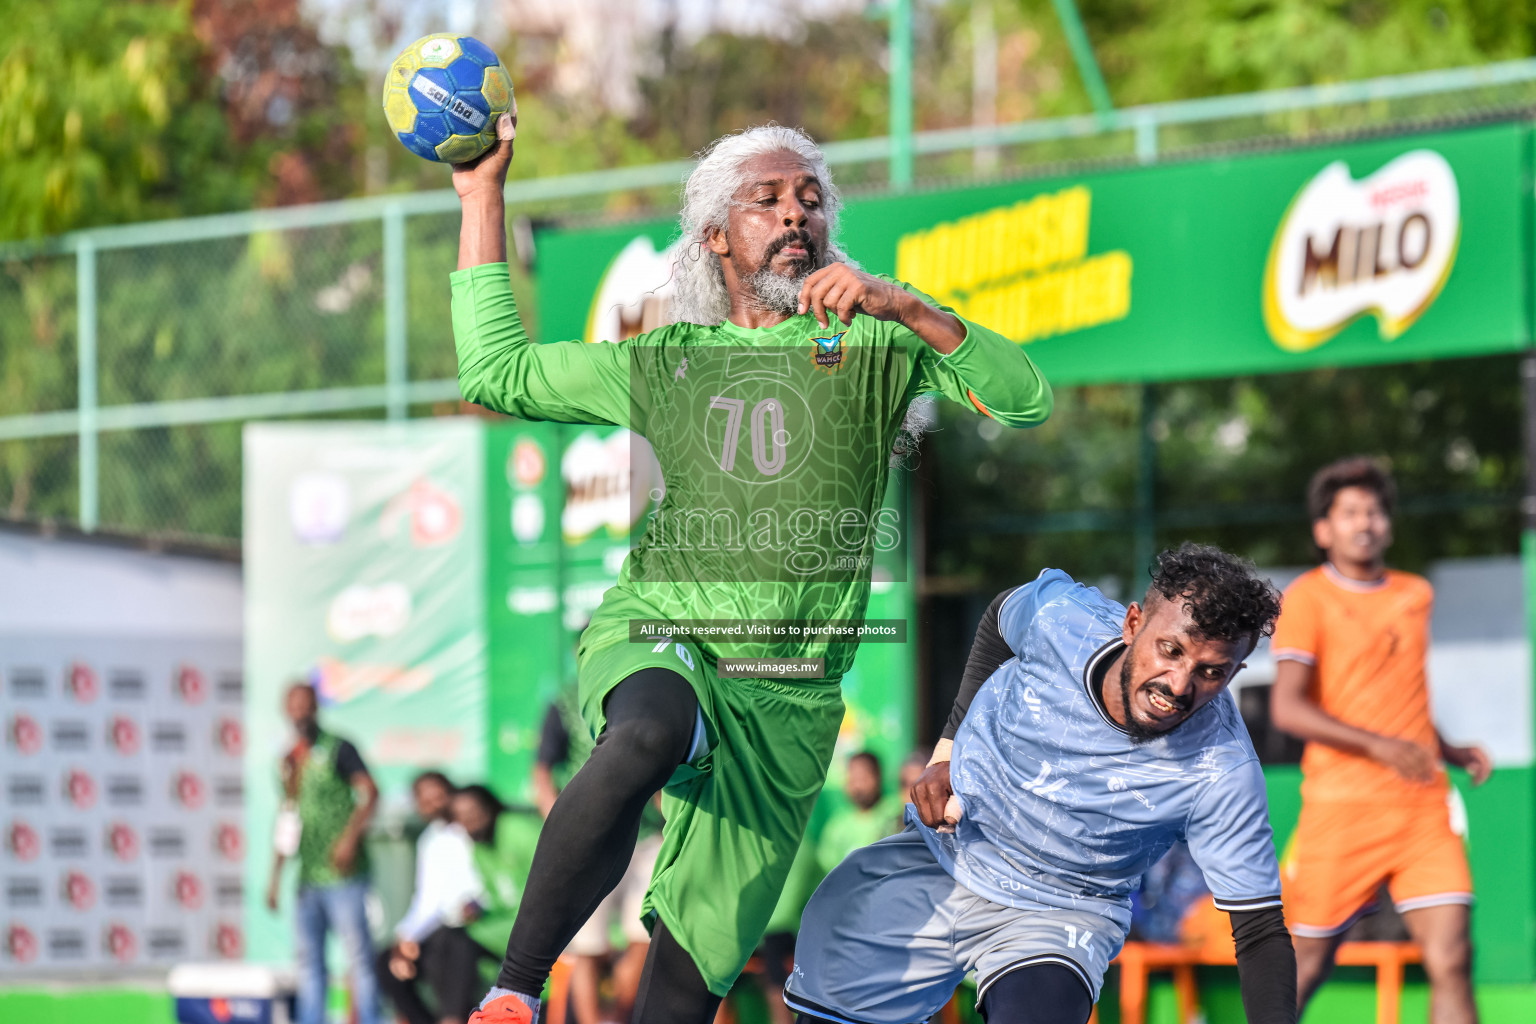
(708, 194)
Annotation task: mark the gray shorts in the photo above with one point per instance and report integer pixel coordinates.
(889, 935)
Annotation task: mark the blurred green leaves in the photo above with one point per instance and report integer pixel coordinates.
(134, 110)
(102, 116)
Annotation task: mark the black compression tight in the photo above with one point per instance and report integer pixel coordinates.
(1037, 994)
(671, 989)
(589, 837)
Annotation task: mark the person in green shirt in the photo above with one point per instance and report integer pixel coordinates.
(326, 784)
(774, 402)
(869, 817)
(504, 841)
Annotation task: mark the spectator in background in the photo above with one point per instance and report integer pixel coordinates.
(564, 745)
(503, 851)
(431, 944)
(325, 780)
(870, 816)
(1350, 649)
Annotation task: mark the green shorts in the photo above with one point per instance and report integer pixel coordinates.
(736, 813)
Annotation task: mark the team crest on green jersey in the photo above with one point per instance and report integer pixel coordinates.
(827, 353)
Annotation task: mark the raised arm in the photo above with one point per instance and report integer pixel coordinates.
(499, 365)
(481, 185)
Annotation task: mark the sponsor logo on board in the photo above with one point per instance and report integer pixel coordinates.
(1383, 246)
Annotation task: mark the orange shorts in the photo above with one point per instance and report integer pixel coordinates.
(1342, 852)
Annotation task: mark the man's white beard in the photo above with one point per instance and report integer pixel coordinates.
(775, 292)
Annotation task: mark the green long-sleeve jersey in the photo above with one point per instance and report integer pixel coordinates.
(775, 444)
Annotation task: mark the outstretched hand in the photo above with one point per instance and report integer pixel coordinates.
(489, 169)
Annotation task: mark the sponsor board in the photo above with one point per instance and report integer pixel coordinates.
(1382, 246)
(106, 800)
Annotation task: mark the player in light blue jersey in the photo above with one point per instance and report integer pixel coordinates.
(1087, 738)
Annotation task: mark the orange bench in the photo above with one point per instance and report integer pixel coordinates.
(1139, 959)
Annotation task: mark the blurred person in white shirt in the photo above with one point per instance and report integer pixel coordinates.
(431, 946)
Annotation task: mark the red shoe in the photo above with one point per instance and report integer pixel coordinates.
(505, 1010)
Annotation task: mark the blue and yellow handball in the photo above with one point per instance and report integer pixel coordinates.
(443, 96)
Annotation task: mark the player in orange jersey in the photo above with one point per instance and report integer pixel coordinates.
(1350, 647)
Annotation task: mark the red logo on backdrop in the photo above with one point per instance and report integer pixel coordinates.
(188, 890)
(25, 734)
(122, 840)
(80, 789)
(220, 1010)
(123, 735)
(189, 790)
(434, 513)
(21, 943)
(78, 890)
(527, 463)
(82, 683)
(229, 841)
(120, 942)
(23, 841)
(230, 737)
(190, 685)
(229, 942)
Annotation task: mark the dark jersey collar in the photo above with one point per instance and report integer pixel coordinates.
(1093, 679)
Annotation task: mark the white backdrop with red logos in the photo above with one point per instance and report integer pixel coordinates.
(121, 790)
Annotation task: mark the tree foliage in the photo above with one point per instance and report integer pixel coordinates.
(153, 108)
(99, 118)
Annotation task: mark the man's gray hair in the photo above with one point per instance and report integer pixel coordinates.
(708, 195)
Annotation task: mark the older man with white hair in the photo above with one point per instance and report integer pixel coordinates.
(712, 669)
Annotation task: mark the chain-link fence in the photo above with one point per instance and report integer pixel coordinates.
(131, 356)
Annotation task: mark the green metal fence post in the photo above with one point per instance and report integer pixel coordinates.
(1146, 140)
(396, 368)
(1082, 55)
(85, 382)
(900, 83)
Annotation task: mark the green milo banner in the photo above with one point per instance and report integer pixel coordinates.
(1374, 252)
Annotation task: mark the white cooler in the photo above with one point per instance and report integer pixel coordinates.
(231, 993)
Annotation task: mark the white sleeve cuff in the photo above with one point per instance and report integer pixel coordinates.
(1293, 654)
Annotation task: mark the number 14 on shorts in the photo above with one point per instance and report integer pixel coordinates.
(1078, 939)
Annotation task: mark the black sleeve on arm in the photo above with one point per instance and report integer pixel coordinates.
(988, 651)
(1266, 965)
(554, 740)
(348, 761)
